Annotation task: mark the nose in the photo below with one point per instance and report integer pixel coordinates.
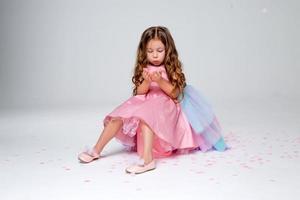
(155, 54)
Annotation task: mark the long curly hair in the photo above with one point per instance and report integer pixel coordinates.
(172, 64)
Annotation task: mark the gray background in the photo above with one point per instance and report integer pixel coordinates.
(81, 53)
(64, 65)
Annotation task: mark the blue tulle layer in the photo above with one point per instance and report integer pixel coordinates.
(202, 119)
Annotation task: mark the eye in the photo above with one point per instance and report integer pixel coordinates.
(160, 50)
(149, 51)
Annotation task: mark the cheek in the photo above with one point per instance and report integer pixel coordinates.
(162, 56)
(148, 56)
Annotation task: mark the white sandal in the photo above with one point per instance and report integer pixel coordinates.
(88, 155)
(141, 168)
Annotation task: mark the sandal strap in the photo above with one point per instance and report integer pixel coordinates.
(91, 151)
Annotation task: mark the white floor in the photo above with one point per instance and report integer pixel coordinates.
(39, 150)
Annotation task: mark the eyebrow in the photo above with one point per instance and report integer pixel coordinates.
(156, 48)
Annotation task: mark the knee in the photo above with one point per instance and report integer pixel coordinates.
(144, 127)
(115, 120)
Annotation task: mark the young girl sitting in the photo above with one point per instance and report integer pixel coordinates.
(164, 115)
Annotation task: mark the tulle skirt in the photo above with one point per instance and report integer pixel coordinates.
(203, 120)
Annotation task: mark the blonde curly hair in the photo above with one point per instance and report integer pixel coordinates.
(172, 64)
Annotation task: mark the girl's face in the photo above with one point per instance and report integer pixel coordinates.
(155, 51)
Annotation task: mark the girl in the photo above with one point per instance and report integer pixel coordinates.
(164, 115)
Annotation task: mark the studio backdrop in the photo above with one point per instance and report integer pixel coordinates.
(71, 53)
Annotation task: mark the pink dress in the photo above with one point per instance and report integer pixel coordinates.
(172, 130)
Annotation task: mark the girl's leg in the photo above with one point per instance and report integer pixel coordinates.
(109, 131)
(148, 136)
(149, 164)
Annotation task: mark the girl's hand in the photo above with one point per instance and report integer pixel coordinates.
(156, 76)
(146, 75)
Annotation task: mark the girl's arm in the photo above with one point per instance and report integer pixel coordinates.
(143, 88)
(168, 88)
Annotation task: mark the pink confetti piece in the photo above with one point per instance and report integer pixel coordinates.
(247, 167)
(66, 168)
